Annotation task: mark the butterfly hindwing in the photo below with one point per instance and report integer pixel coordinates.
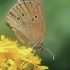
(26, 19)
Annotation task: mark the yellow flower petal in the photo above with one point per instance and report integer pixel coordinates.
(2, 37)
(2, 50)
(13, 56)
(25, 52)
(44, 67)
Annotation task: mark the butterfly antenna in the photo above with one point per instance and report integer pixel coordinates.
(53, 55)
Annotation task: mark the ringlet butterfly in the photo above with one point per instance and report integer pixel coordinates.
(27, 21)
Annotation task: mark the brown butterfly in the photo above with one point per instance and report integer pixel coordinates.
(27, 21)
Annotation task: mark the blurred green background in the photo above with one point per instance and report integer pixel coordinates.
(57, 37)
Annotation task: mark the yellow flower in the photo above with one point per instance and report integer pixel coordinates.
(16, 57)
